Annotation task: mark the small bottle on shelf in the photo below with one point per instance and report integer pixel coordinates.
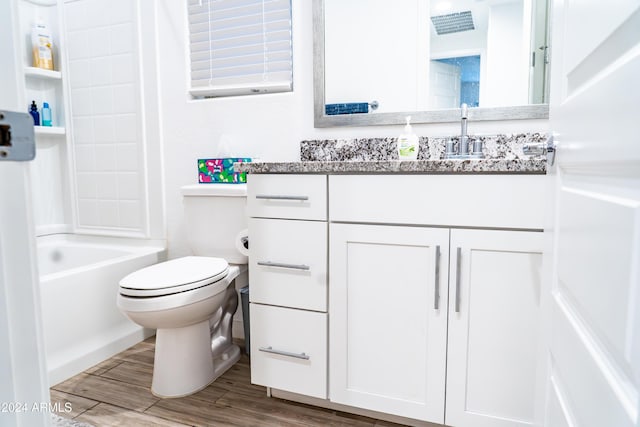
(34, 113)
(46, 114)
(42, 46)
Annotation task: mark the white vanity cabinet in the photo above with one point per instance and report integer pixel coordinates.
(391, 345)
(429, 306)
(288, 282)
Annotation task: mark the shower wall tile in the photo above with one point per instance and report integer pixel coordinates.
(121, 11)
(99, 40)
(82, 130)
(89, 212)
(78, 45)
(108, 212)
(127, 188)
(127, 156)
(87, 188)
(124, 99)
(106, 158)
(74, 14)
(106, 109)
(121, 36)
(79, 73)
(130, 214)
(85, 158)
(81, 103)
(126, 127)
(100, 69)
(103, 129)
(107, 186)
(123, 68)
(95, 13)
(102, 100)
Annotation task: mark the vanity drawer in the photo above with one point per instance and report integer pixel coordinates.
(488, 201)
(288, 263)
(287, 196)
(289, 349)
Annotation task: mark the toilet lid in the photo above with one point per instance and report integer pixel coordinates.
(176, 275)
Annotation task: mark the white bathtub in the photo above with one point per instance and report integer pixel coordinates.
(79, 278)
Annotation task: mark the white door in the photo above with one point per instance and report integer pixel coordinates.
(444, 85)
(387, 333)
(594, 295)
(23, 378)
(494, 310)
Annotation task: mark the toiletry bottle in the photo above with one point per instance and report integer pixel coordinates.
(46, 114)
(34, 113)
(42, 46)
(408, 143)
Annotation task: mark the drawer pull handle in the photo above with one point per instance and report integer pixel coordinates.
(436, 292)
(283, 265)
(458, 264)
(284, 353)
(280, 197)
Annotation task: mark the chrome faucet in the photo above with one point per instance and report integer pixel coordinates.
(463, 145)
(462, 150)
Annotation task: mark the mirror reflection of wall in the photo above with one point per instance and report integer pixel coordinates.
(416, 55)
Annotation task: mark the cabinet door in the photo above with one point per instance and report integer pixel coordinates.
(493, 327)
(387, 328)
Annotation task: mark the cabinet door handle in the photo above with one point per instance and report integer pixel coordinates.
(284, 265)
(284, 353)
(458, 263)
(280, 197)
(436, 286)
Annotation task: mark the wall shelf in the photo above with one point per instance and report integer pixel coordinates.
(42, 73)
(49, 130)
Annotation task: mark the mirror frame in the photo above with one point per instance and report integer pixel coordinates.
(321, 120)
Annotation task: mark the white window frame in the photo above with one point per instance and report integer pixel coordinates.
(239, 47)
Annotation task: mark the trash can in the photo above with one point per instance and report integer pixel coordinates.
(244, 297)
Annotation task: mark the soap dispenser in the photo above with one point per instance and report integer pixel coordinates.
(408, 143)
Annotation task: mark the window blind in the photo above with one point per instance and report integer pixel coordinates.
(240, 47)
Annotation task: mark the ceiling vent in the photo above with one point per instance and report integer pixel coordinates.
(453, 22)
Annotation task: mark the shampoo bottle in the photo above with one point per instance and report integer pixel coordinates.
(34, 113)
(46, 114)
(408, 143)
(42, 46)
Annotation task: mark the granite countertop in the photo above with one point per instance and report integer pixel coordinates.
(503, 155)
(488, 166)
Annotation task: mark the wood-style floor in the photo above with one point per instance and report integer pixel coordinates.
(116, 393)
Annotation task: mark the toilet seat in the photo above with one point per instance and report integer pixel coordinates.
(174, 276)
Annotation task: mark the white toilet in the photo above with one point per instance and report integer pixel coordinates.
(191, 300)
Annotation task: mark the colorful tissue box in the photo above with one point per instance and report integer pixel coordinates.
(214, 171)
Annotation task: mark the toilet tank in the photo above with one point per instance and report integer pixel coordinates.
(215, 214)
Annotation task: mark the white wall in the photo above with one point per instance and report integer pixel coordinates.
(266, 126)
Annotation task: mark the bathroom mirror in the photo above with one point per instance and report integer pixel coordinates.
(377, 61)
